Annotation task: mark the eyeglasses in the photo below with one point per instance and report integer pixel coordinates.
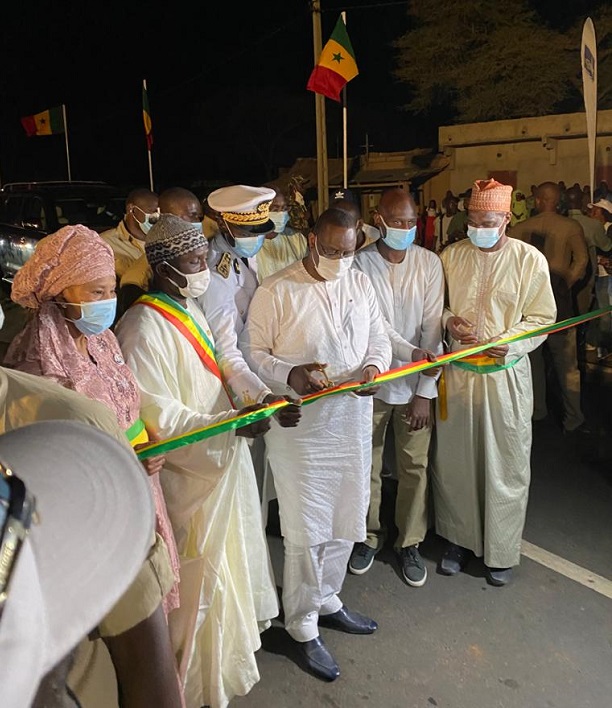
(17, 512)
(332, 253)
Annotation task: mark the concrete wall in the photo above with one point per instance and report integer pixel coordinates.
(536, 149)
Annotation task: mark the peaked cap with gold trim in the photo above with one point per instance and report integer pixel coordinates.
(247, 207)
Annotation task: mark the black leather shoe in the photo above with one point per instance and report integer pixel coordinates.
(454, 560)
(346, 621)
(315, 658)
(499, 576)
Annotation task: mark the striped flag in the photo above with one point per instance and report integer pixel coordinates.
(49, 122)
(146, 116)
(336, 65)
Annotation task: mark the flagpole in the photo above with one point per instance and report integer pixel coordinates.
(344, 129)
(322, 178)
(66, 137)
(144, 85)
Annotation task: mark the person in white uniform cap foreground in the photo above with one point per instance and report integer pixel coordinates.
(64, 559)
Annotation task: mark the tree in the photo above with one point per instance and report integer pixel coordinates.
(478, 60)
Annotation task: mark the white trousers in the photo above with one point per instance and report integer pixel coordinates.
(312, 578)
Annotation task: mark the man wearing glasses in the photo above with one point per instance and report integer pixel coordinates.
(312, 324)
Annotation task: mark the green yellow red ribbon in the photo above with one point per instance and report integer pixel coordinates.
(164, 446)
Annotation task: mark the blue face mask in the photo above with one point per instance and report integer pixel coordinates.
(280, 219)
(484, 237)
(149, 219)
(96, 317)
(198, 225)
(398, 239)
(247, 246)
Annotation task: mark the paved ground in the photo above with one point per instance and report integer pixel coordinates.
(543, 642)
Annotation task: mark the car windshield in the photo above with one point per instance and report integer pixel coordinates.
(95, 209)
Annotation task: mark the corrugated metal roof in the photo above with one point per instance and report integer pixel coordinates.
(373, 170)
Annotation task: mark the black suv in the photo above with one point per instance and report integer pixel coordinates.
(31, 210)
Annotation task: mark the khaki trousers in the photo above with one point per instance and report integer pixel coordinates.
(411, 459)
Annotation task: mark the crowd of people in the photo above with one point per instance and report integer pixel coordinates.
(192, 313)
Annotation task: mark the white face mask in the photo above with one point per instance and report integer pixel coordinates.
(197, 283)
(1, 317)
(333, 268)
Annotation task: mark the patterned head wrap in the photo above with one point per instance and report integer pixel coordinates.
(74, 255)
(171, 237)
(489, 195)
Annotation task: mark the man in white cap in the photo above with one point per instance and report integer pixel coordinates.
(64, 560)
(137, 621)
(320, 315)
(242, 216)
(226, 583)
(496, 287)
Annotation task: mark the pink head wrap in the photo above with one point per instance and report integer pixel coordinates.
(74, 255)
(490, 195)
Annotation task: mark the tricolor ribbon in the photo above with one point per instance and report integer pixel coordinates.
(239, 421)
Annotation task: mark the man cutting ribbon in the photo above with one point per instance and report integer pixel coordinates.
(497, 287)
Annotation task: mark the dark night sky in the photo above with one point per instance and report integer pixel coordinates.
(226, 87)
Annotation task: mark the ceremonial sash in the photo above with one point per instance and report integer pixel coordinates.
(483, 364)
(178, 316)
(137, 433)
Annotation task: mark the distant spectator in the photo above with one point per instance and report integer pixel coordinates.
(531, 205)
(563, 206)
(366, 233)
(443, 222)
(562, 242)
(457, 228)
(520, 210)
(601, 211)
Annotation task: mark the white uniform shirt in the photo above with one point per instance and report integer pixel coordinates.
(225, 305)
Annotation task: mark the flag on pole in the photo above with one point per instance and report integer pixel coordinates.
(588, 57)
(49, 122)
(146, 116)
(336, 65)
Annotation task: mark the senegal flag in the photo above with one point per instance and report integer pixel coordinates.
(336, 65)
(146, 117)
(48, 122)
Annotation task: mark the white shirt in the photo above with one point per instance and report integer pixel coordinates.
(411, 299)
(225, 305)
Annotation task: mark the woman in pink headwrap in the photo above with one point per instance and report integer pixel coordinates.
(68, 284)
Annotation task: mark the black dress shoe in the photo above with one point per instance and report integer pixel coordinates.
(315, 658)
(346, 621)
(454, 560)
(499, 576)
